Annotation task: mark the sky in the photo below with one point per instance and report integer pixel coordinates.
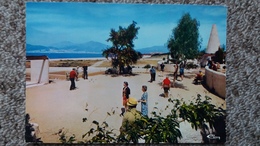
(49, 23)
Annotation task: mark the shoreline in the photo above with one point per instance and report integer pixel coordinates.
(62, 59)
(97, 58)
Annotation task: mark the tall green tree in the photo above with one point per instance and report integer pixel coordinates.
(219, 56)
(122, 51)
(184, 43)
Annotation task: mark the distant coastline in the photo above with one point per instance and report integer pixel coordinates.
(63, 56)
(74, 56)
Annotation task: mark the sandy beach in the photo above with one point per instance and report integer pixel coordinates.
(53, 106)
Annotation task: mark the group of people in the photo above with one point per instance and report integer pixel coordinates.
(177, 67)
(166, 84)
(74, 75)
(213, 65)
(143, 100)
(130, 114)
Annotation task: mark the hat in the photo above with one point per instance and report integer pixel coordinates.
(131, 101)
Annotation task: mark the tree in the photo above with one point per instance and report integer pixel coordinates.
(184, 42)
(122, 51)
(219, 55)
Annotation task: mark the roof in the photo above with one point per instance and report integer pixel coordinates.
(43, 57)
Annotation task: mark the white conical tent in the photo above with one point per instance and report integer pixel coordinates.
(213, 43)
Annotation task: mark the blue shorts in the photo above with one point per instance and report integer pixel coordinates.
(181, 71)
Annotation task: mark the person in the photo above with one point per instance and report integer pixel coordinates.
(199, 77)
(218, 65)
(129, 69)
(143, 100)
(209, 64)
(77, 72)
(73, 75)
(31, 130)
(214, 66)
(121, 69)
(182, 70)
(175, 73)
(130, 116)
(152, 73)
(126, 92)
(162, 67)
(166, 84)
(85, 72)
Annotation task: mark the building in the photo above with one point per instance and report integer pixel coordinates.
(39, 70)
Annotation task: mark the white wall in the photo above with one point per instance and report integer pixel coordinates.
(217, 81)
(40, 71)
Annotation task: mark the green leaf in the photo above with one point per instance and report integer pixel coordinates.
(95, 122)
(84, 119)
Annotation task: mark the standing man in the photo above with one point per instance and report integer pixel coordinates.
(162, 67)
(153, 73)
(85, 72)
(166, 84)
(182, 65)
(175, 73)
(73, 75)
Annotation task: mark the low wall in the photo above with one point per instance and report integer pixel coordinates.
(216, 81)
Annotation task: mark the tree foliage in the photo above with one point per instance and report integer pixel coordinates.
(122, 52)
(184, 43)
(219, 56)
(200, 112)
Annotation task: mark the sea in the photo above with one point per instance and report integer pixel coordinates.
(67, 55)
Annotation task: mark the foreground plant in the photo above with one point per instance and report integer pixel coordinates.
(200, 112)
(157, 128)
(64, 138)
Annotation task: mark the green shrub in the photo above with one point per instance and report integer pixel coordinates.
(147, 66)
(191, 66)
(200, 112)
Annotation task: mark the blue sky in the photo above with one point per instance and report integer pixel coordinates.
(48, 23)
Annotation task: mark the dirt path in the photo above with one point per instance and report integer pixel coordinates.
(97, 64)
(54, 106)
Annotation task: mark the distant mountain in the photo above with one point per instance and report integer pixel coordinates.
(63, 44)
(88, 47)
(91, 46)
(153, 49)
(38, 48)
